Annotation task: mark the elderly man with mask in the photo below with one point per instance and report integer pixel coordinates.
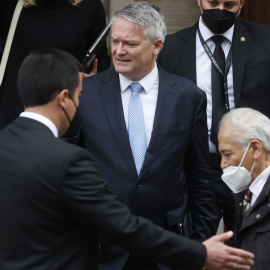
(244, 143)
(241, 49)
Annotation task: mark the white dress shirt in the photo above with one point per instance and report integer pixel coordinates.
(258, 184)
(203, 70)
(42, 119)
(148, 96)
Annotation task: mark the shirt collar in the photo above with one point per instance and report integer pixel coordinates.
(147, 82)
(258, 184)
(42, 119)
(207, 33)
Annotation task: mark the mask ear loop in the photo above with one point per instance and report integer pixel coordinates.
(244, 155)
(252, 166)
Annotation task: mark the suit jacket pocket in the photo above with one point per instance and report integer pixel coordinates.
(175, 216)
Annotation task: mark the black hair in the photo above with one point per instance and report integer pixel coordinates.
(45, 73)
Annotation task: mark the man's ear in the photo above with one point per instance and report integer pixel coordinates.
(62, 98)
(158, 43)
(241, 5)
(257, 148)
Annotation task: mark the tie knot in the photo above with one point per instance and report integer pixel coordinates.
(218, 39)
(136, 87)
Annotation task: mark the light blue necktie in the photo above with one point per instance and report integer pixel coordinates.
(136, 127)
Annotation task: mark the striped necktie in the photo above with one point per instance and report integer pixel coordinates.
(247, 201)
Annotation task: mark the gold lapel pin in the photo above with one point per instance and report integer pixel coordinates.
(242, 39)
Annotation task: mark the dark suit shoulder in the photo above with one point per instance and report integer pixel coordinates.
(29, 130)
(101, 76)
(254, 26)
(259, 33)
(185, 34)
(179, 82)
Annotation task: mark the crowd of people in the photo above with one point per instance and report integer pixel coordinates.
(134, 167)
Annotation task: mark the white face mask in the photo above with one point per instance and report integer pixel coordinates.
(237, 178)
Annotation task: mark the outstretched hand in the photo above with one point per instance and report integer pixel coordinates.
(223, 257)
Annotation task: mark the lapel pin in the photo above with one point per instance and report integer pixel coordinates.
(242, 39)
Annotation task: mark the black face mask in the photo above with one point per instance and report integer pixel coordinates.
(74, 124)
(218, 20)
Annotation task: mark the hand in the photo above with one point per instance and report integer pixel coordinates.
(93, 70)
(223, 257)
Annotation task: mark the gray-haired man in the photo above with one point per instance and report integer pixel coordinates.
(244, 143)
(151, 146)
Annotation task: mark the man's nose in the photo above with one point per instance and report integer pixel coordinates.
(120, 48)
(223, 164)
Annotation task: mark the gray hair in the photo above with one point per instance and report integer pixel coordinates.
(248, 124)
(147, 16)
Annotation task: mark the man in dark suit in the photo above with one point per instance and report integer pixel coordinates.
(175, 147)
(244, 138)
(54, 204)
(247, 74)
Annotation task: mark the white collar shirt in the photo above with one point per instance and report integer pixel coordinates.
(258, 184)
(42, 119)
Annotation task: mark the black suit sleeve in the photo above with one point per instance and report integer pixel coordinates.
(201, 199)
(89, 201)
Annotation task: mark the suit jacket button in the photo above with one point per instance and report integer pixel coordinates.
(258, 216)
(139, 185)
(240, 204)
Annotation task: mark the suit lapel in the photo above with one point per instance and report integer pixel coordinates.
(263, 211)
(165, 107)
(112, 105)
(188, 53)
(239, 54)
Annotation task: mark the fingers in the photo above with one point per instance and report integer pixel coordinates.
(94, 68)
(239, 259)
(239, 253)
(221, 256)
(224, 236)
(92, 72)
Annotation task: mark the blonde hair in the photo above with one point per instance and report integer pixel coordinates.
(29, 3)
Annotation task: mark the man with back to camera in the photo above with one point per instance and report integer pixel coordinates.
(246, 72)
(54, 204)
(244, 144)
(148, 162)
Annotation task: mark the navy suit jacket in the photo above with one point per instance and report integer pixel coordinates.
(177, 154)
(54, 204)
(250, 59)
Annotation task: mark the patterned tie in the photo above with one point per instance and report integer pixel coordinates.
(136, 128)
(218, 96)
(246, 201)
